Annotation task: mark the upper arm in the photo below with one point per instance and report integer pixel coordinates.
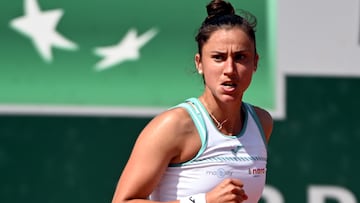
(266, 121)
(154, 149)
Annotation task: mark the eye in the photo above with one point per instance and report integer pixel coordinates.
(239, 57)
(218, 57)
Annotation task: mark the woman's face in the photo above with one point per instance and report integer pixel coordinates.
(227, 63)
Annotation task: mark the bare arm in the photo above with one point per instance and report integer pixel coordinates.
(266, 121)
(158, 144)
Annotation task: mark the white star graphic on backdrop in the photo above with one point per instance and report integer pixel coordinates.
(127, 49)
(40, 27)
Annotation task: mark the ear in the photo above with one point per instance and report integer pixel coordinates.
(256, 60)
(198, 63)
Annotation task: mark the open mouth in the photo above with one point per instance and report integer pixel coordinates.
(229, 84)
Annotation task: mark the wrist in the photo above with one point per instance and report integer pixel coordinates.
(196, 198)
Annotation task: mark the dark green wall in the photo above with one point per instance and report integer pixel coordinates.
(317, 144)
(63, 159)
(49, 159)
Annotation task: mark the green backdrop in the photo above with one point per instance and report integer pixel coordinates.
(164, 73)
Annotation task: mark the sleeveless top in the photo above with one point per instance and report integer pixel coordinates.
(243, 156)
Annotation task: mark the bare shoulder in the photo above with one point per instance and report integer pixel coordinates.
(266, 121)
(172, 130)
(167, 125)
(174, 120)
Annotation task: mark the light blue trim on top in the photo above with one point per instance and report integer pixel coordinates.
(200, 126)
(251, 109)
(205, 112)
(193, 106)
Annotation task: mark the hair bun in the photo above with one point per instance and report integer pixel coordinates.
(219, 8)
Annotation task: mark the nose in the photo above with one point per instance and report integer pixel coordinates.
(230, 67)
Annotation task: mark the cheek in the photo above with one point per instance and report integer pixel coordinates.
(246, 70)
(210, 68)
(211, 75)
(246, 75)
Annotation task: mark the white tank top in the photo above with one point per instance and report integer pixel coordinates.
(243, 156)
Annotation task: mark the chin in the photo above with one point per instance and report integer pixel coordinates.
(230, 98)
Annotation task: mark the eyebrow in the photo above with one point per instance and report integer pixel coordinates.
(225, 52)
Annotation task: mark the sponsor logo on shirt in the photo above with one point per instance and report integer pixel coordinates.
(256, 172)
(220, 173)
(236, 149)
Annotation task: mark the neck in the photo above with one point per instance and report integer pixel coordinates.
(219, 124)
(226, 117)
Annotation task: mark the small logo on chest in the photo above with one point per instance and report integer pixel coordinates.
(236, 149)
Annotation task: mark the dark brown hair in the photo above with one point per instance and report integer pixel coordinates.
(221, 14)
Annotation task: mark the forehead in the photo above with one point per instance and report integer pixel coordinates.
(229, 38)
